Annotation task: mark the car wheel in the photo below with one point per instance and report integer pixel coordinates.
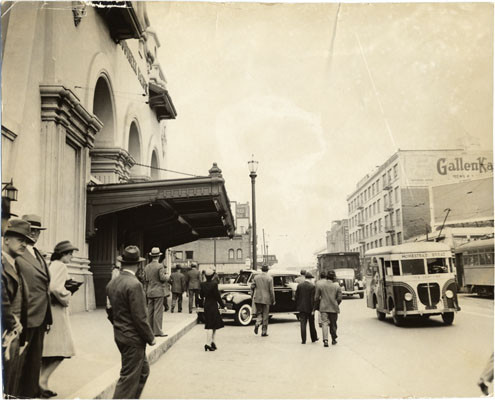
(244, 314)
(448, 318)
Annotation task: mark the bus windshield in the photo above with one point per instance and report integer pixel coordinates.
(437, 265)
(413, 267)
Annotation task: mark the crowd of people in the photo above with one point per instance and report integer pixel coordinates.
(36, 333)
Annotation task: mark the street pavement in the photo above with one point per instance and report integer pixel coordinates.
(94, 370)
(372, 359)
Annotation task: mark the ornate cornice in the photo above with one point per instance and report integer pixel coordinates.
(112, 161)
(62, 106)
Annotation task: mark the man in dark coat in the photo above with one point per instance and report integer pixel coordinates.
(328, 295)
(34, 270)
(154, 277)
(305, 295)
(127, 313)
(264, 296)
(193, 286)
(14, 304)
(178, 283)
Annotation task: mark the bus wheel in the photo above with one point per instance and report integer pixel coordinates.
(448, 318)
(380, 315)
(244, 315)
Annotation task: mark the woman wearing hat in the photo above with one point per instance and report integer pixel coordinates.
(213, 320)
(58, 342)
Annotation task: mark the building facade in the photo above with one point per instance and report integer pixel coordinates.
(85, 108)
(392, 203)
(338, 236)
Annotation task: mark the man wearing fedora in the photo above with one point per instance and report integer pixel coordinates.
(178, 284)
(14, 303)
(154, 278)
(34, 270)
(264, 296)
(193, 286)
(305, 298)
(131, 329)
(328, 294)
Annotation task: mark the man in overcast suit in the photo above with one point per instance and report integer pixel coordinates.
(264, 296)
(34, 270)
(127, 312)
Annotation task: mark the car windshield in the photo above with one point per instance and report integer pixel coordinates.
(243, 277)
(413, 267)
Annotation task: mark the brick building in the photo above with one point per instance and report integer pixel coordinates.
(338, 236)
(392, 203)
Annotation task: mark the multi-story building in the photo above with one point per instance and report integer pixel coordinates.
(338, 236)
(392, 203)
(84, 112)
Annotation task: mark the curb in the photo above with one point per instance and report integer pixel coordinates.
(104, 386)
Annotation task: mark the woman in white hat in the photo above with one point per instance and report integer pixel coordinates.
(58, 343)
(213, 320)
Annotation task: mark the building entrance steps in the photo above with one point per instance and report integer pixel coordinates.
(94, 371)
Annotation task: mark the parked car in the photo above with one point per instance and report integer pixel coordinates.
(237, 296)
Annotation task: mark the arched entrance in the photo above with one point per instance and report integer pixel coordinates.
(103, 109)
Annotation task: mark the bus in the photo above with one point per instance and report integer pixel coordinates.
(476, 259)
(411, 280)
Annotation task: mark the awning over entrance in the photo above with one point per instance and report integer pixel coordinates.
(176, 210)
(161, 102)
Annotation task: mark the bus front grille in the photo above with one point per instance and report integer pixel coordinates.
(429, 294)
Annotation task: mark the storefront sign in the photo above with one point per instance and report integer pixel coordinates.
(445, 166)
(134, 66)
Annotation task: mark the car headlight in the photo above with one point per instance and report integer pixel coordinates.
(408, 297)
(229, 297)
(449, 294)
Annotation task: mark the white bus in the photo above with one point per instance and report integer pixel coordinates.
(411, 280)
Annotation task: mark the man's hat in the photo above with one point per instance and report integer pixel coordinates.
(34, 220)
(64, 247)
(19, 227)
(309, 275)
(130, 255)
(303, 272)
(194, 265)
(323, 275)
(331, 274)
(264, 267)
(155, 252)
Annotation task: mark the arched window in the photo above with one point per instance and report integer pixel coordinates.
(231, 254)
(239, 254)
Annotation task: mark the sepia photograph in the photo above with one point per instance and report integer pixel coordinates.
(247, 200)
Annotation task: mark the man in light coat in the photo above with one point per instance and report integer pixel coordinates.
(154, 277)
(34, 270)
(127, 313)
(328, 295)
(264, 296)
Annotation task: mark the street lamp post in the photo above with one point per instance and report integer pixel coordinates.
(253, 167)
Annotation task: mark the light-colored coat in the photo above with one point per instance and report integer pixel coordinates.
(154, 278)
(264, 292)
(328, 295)
(58, 340)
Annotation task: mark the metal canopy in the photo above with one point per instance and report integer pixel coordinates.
(176, 210)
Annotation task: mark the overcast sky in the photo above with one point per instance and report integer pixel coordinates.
(320, 95)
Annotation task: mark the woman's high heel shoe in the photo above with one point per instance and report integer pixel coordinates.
(213, 346)
(209, 348)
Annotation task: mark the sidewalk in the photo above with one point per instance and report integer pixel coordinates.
(93, 372)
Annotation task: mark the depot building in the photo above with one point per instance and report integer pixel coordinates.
(85, 111)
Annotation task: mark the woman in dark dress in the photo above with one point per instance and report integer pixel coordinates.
(213, 320)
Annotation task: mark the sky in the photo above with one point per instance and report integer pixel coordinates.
(319, 94)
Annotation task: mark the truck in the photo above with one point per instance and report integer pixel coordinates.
(347, 269)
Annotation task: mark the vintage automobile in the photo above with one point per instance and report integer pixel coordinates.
(238, 300)
(347, 280)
